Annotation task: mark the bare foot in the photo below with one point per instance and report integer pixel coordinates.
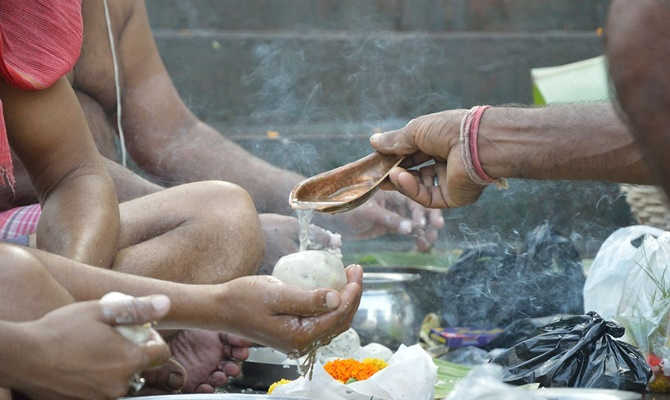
(281, 238)
(201, 361)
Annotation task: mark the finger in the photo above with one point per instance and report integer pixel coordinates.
(436, 219)
(354, 274)
(418, 213)
(297, 302)
(393, 222)
(432, 235)
(400, 142)
(333, 323)
(411, 186)
(120, 309)
(422, 243)
(324, 237)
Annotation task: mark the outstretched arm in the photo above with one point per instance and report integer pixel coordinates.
(80, 213)
(283, 317)
(578, 142)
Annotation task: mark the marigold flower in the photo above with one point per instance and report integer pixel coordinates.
(278, 383)
(345, 370)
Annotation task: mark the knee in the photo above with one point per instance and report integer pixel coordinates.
(230, 207)
(20, 269)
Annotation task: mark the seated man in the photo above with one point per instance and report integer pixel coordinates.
(34, 283)
(170, 144)
(81, 218)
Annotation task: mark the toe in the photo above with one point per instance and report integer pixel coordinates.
(218, 378)
(204, 388)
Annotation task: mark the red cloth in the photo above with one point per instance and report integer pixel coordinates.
(40, 41)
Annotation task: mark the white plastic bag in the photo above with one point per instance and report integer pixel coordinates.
(410, 375)
(485, 383)
(645, 304)
(630, 283)
(608, 273)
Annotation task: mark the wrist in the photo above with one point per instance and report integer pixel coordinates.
(502, 148)
(18, 345)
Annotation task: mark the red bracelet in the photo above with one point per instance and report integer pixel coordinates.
(474, 146)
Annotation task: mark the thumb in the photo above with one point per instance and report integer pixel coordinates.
(398, 142)
(305, 303)
(121, 309)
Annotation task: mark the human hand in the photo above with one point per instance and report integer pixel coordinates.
(78, 354)
(267, 311)
(282, 238)
(430, 137)
(390, 212)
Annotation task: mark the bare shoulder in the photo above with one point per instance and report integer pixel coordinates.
(94, 72)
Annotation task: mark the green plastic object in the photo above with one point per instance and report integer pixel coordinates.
(579, 82)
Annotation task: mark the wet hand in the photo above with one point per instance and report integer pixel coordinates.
(80, 355)
(430, 137)
(266, 311)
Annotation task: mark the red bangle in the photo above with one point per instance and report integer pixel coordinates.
(474, 147)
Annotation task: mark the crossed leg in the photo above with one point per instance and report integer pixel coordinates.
(203, 233)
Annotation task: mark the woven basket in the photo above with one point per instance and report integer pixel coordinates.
(648, 204)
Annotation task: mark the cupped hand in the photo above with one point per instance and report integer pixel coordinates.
(78, 354)
(282, 238)
(430, 137)
(266, 311)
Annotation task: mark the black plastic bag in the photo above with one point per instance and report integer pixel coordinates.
(577, 351)
(491, 285)
(520, 330)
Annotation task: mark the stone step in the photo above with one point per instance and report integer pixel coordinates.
(265, 80)
(372, 15)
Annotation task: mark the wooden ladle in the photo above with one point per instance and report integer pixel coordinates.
(346, 187)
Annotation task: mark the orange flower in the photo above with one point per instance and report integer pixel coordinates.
(346, 369)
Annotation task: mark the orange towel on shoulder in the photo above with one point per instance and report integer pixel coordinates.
(40, 41)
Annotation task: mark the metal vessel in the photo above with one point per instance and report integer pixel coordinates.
(387, 313)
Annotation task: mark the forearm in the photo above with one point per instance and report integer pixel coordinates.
(202, 153)
(193, 306)
(14, 346)
(577, 142)
(128, 184)
(80, 220)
